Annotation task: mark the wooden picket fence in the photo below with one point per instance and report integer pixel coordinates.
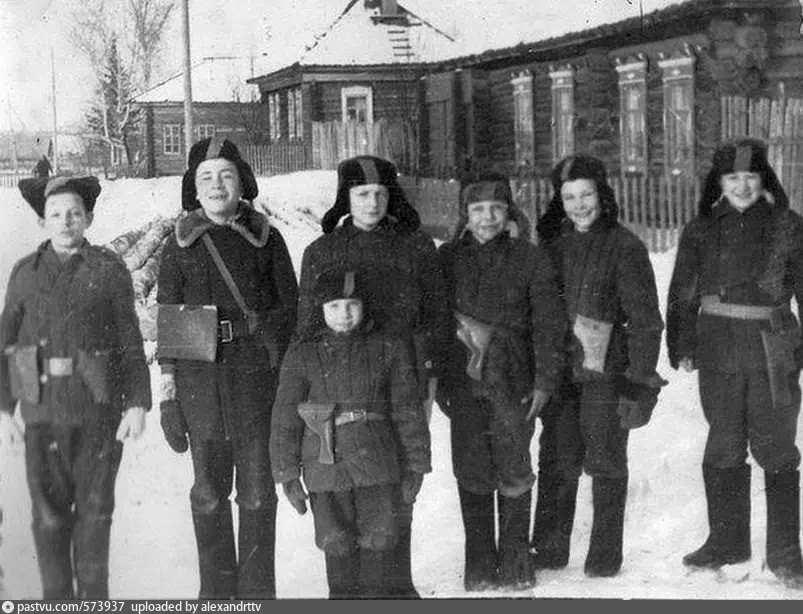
(334, 141)
(655, 207)
(277, 158)
(779, 122)
(9, 178)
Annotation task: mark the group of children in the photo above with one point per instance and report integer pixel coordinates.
(322, 388)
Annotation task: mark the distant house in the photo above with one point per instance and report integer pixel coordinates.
(652, 94)
(364, 68)
(223, 103)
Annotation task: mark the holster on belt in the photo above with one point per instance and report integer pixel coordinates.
(476, 336)
(595, 337)
(319, 419)
(779, 352)
(23, 372)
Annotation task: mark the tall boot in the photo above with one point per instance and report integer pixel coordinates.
(372, 582)
(217, 561)
(343, 574)
(53, 553)
(481, 559)
(554, 521)
(515, 567)
(256, 569)
(783, 527)
(398, 562)
(727, 494)
(604, 558)
(91, 556)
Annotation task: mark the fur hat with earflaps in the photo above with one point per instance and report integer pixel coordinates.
(207, 149)
(335, 283)
(572, 168)
(489, 185)
(741, 155)
(363, 170)
(36, 190)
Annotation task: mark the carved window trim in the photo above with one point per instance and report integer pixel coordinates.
(523, 124)
(355, 92)
(562, 112)
(633, 115)
(679, 128)
(275, 116)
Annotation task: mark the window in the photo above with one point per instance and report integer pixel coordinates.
(295, 121)
(204, 131)
(523, 118)
(117, 154)
(562, 112)
(633, 115)
(678, 77)
(275, 116)
(172, 139)
(357, 104)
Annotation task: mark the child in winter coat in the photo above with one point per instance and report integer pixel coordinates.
(348, 418)
(73, 358)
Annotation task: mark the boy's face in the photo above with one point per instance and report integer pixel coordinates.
(343, 315)
(217, 183)
(486, 219)
(65, 220)
(369, 205)
(581, 202)
(741, 188)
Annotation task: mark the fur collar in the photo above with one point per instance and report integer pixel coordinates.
(253, 225)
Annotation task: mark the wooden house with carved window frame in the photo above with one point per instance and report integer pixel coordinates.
(653, 94)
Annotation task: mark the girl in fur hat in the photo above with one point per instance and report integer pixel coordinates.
(500, 365)
(221, 409)
(739, 264)
(610, 385)
(374, 231)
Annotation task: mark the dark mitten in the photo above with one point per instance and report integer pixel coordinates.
(174, 426)
(411, 485)
(296, 495)
(636, 403)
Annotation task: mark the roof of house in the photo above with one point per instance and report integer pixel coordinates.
(214, 79)
(360, 36)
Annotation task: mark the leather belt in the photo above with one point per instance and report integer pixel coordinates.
(711, 305)
(358, 415)
(57, 367)
(229, 330)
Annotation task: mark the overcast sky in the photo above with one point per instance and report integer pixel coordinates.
(274, 29)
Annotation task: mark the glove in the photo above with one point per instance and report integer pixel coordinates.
(174, 426)
(296, 495)
(410, 486)
(636, 403)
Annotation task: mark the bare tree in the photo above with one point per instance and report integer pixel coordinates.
(149, 19)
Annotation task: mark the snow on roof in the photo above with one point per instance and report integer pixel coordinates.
(214, 79)
(357, 37)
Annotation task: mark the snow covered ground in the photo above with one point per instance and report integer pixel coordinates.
(153, 552)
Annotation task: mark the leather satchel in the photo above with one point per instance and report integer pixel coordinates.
(187, 332)
(594, 336)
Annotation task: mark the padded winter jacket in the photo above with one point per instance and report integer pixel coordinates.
(83, 311)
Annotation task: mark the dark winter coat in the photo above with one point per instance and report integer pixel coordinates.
(399, 278)
(82, 309)
(606, 274)
(510, 284)
(753, 258)
(233, 396)
(362, 370)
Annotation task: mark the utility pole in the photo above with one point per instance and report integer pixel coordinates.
(55, 137)
(185, 30)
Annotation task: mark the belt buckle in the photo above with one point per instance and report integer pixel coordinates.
(359, 415)
(59, 367)
(225, 331)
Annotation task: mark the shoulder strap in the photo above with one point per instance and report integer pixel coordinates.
(225, 273)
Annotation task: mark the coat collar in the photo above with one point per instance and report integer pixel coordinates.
(723, 207)
(253, 225)
(87, 252)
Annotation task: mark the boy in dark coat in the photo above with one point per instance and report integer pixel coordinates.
(73, 358)
(739, 263)
(610, 385)
(223, 407)
(498, 370)
(348, 417)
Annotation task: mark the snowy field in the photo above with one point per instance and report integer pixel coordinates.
(153, 550)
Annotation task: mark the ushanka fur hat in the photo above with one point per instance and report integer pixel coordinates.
(489, 185)
(363, 170)
(572, 168)
(36, 190)
(741, 155)
(334, 284)
(207, 149)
